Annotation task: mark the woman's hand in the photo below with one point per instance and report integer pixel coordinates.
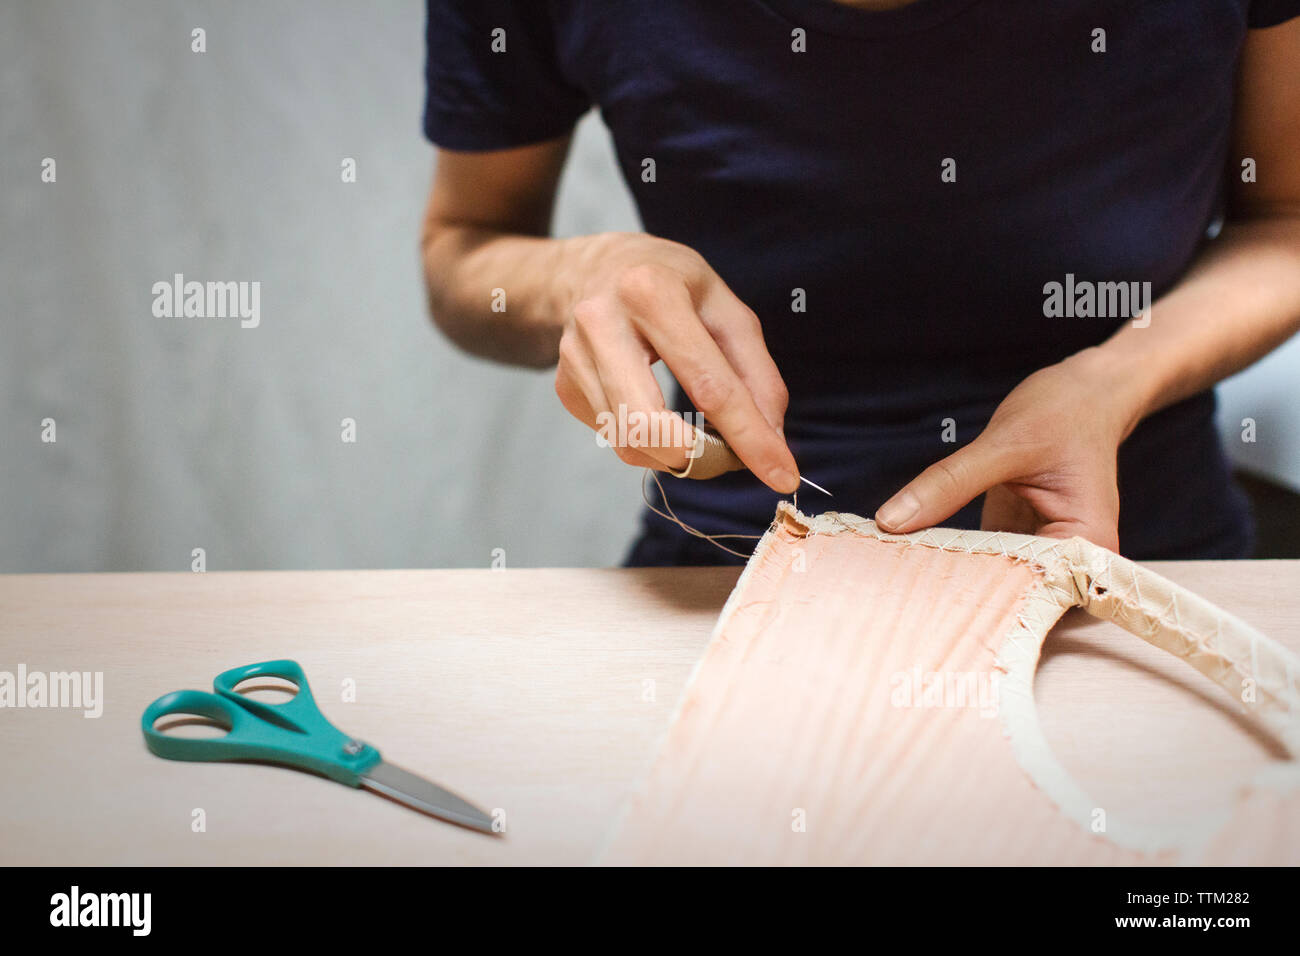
(630, 300)
(1046, 459)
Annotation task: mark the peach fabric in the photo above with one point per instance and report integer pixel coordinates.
(867, 698)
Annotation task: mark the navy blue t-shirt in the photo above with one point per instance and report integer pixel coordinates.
(891, 192)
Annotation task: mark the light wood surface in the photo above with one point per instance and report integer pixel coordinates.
(525, 690)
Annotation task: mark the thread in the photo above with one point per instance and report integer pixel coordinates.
(672, 516)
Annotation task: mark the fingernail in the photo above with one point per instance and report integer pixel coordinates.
(898, 510)
(784, 481)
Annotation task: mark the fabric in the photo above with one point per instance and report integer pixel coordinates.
(1269, 13)
(868, 698)
(891, 299)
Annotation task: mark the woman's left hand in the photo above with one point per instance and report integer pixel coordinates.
(1046, 459)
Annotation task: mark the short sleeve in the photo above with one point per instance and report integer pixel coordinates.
(492, 75)
(1269, 13)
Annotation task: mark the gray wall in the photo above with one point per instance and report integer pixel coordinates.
(180, 433)
(177, 433)
(1266, 395)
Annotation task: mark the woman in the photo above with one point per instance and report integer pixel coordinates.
(931, 251)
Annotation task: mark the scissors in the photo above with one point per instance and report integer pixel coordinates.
(295, 734)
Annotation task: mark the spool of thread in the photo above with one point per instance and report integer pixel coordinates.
(709, 457)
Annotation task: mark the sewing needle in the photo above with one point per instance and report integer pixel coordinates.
(817, 486)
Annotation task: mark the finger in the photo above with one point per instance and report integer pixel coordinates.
(578, 387)
(1095, 528)
(662, 309)
(1090, 510)
(1004, 510)
(1091, 514)
(739, 335)
(947, 486)
(622, 361)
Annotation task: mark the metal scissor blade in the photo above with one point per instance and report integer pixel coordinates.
(419, 794)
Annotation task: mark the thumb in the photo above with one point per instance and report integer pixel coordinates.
(1099, 529)
(1093, 516)
(944, 488)
(1093, 513)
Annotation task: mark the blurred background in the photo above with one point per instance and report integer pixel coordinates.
(172, 434)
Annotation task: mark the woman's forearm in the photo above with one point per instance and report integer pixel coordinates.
(1047, 457)
(1240, 300)
(495, 294)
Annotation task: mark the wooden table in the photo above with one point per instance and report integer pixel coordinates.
(540, 692)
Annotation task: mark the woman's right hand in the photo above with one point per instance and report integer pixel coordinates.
(632, 299)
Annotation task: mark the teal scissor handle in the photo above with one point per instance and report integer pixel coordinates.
(293, 733)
